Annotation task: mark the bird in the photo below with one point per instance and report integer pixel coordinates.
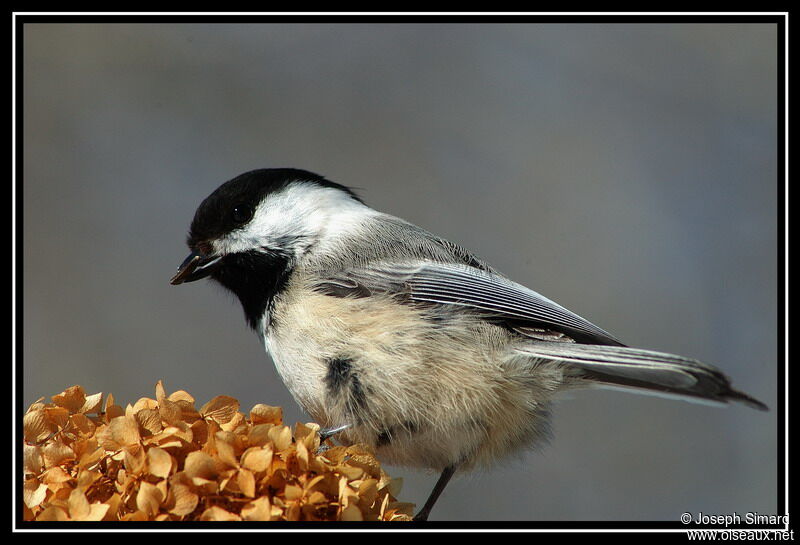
(393, 337)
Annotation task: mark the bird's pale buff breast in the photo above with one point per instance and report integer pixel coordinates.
(424, 388)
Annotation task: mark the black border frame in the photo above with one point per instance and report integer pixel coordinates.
(616, 528)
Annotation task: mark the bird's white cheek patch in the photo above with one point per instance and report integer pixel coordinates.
(238, 241)
(299, 215)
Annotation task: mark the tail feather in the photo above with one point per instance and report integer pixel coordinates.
(633, 368)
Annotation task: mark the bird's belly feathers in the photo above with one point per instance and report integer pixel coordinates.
(422, 390)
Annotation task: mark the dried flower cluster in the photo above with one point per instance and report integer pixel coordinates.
(162, 459)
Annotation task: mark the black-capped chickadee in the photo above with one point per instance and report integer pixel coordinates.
(394, 337)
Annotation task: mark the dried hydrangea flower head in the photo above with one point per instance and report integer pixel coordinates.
(163, 459)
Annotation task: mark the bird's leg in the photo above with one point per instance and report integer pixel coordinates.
(444, 478)
(327, 433)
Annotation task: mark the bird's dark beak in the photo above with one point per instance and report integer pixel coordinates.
(195, 267)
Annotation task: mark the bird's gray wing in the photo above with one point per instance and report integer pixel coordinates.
(498, 299)
(493, 296)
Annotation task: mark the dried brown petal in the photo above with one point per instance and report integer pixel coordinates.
(367, 462)
(56, 453)
(281, 437)
(188, 412)
(33, 492)
(142, 404)
(161, 393)
(149, 420)
(308, 434)
(109, 402)
(36, 426)
(400, 510)
(302, 457)
(226, 453)
(149, 498)
(71, 399)
(120, 431)
(112, 410)
(82, 424)
(53, 513)
(136, 516)
(184, 501)
(170, 412)
(352, 513)
(236, 424)
(336, 454)
(55, 475)
(259, 434)
(159, 462)
(200, 465)
(293, 493)
(32, 460)
(57, 416)
(257, 460)
(218, 513)
(265, 414)
(293, 511)
(114, 503)
(181, 395)
(368, 491)
(92, 453)
(92, 403)
(170, 434)
(316, 497)
(221, 409)
(350, 472)
(87, 479)
(346, 494)
(78, 505)
(258, 509)
(134, 459)
(97, 511)
(247, 482)
(198, 426)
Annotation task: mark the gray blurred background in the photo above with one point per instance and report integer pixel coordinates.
(625, 171)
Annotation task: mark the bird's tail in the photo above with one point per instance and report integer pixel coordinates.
(643, 370)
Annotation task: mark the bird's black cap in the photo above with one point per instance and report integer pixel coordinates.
(229, 205)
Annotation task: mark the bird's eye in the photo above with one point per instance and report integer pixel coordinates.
(242, 214)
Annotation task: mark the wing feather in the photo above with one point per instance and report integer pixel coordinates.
(643, 370)
(490, 294)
